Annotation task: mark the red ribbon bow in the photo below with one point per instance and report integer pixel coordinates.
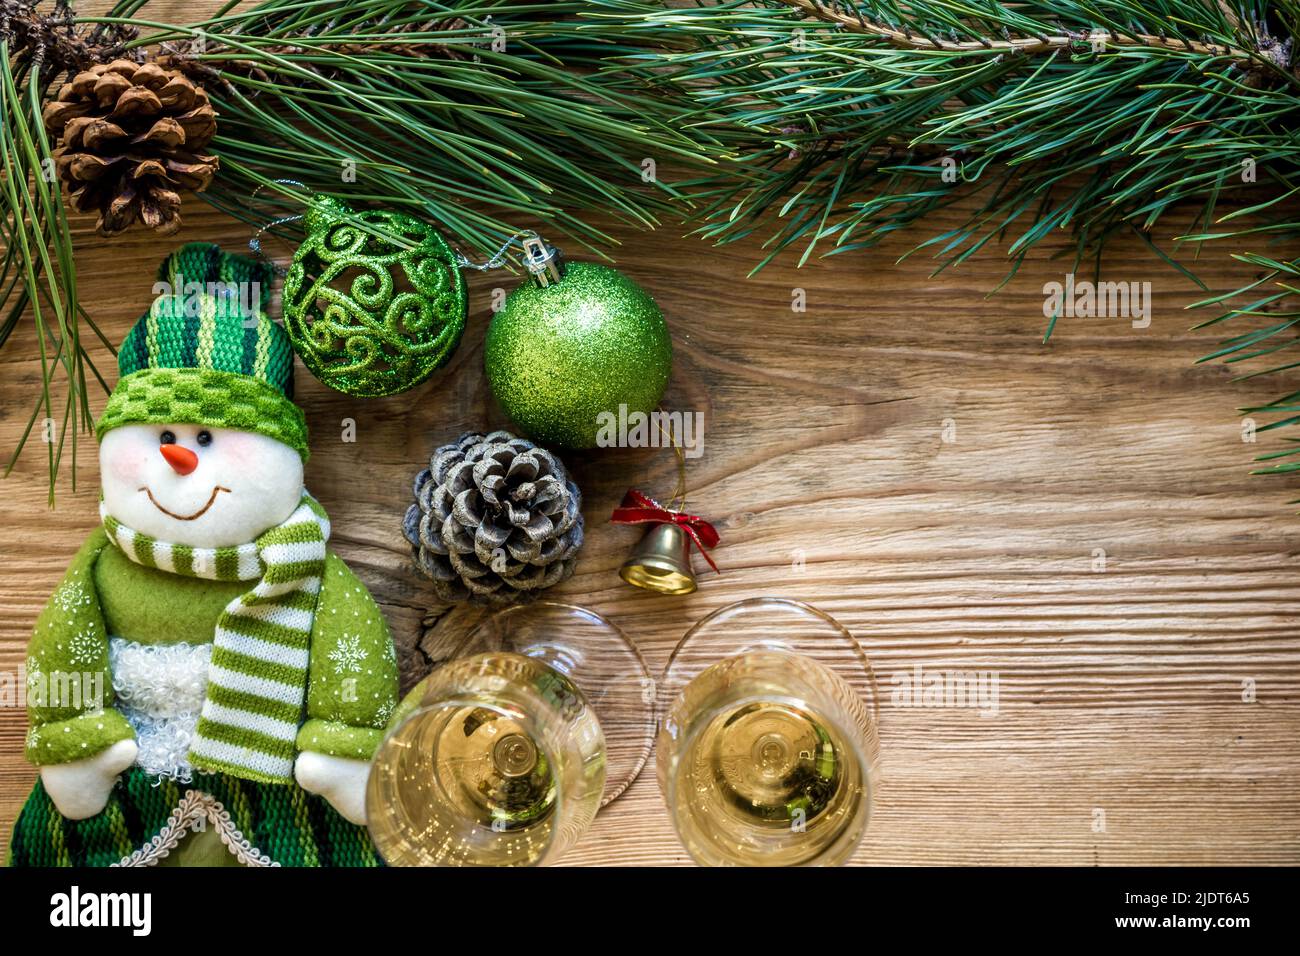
(642, 509)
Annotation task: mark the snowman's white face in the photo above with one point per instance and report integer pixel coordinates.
(199, 486)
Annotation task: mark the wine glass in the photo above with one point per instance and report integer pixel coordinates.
(768, 754)
(504, 754)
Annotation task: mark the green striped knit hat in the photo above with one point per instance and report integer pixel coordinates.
(206, 353)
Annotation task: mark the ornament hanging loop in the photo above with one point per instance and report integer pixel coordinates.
(498, 258)
(661, 561)
(255, 243)
(543, 262)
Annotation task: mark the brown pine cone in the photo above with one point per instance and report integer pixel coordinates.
(130, 137)
(495, 521)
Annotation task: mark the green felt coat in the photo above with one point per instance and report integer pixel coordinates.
(352, 679)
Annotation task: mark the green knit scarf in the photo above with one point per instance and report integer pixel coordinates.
(257, 679)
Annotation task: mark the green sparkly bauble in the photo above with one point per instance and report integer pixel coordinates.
(560, 355)
(369, 315)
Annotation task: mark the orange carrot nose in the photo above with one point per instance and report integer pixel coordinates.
(182, 460)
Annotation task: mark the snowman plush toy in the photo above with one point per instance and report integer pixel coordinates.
(208, 683)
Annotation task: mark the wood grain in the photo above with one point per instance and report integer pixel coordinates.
(826, 469)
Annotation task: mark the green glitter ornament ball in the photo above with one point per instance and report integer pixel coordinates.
(374, 302)
(560, 354)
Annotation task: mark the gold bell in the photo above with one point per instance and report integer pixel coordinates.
(661, 561)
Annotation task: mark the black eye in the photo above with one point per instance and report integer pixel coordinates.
(166, 438)
(205, 438)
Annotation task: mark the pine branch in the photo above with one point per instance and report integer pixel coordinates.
(860, 127)
(850, 16)
(1145, 128)
(38, 272)
(470, 114)
(828, 126)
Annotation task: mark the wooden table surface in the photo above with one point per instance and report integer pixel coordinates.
(908, 456)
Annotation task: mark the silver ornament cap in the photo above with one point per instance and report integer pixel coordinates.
(544, 263)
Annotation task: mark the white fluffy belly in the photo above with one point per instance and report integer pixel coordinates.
(160, 689)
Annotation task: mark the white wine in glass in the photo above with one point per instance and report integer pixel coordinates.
(502, 763)
(501, 757)
(768, 757)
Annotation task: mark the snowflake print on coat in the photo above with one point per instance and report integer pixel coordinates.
(35, 676)
(85, 649)
(348, 655)
(71, 597)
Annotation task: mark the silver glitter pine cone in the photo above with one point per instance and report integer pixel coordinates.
(496, 520)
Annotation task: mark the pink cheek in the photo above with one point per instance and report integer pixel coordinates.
(127, 466)
(236, 451)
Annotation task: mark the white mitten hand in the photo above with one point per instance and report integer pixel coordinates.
(80, 788)
(340, 780)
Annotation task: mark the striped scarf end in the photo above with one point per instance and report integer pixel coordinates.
(213, 765)
(213, 756)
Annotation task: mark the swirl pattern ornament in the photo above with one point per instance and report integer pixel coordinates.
(373, 301)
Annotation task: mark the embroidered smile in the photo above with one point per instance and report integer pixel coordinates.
(198, 514)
